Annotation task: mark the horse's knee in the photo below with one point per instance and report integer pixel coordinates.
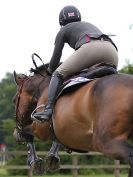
(18, 137)
(27, 134)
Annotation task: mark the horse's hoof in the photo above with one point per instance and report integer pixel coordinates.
(38, 166)
(52, 163)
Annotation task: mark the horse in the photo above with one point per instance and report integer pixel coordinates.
(98, 116)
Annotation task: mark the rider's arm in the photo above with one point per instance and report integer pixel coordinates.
(59, 44)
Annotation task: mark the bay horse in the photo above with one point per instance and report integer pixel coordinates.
(97, 116)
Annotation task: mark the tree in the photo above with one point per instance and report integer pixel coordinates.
(7, 91)
(128, 69)
(7, 127)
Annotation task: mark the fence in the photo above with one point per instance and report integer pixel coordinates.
(74, 167)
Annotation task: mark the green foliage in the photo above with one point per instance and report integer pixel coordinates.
(7, 91)
(3, 173)
(96, 160)
(7, 127)
(128, 69)
(17, 160)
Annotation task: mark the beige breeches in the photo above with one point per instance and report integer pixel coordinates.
(87, 55)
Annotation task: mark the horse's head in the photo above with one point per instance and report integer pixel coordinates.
(25, 100)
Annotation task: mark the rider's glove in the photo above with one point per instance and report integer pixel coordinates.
(49, 71)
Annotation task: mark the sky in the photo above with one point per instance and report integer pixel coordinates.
(28, 26)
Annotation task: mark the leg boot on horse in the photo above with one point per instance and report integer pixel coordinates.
(36, 163)
(55, 84)
(53, 160)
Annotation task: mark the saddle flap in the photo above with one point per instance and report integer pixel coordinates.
(74, 84)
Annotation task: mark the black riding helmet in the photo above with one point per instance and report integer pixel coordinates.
(69, 14)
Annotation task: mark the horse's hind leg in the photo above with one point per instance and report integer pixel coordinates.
(118, 149)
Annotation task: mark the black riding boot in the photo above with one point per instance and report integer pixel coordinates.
(55, 84)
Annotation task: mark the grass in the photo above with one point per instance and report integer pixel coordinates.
(3, 173)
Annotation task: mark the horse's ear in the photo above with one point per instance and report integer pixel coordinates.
(18, 78)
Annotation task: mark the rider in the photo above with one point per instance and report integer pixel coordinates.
(91, 47)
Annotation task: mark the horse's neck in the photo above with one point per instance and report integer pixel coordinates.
(42, 90)
(40, 81)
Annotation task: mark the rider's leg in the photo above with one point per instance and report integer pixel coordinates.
(55, 84)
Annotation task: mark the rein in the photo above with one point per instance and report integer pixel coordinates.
(37, 69)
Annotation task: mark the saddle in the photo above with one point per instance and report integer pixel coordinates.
(87, 75)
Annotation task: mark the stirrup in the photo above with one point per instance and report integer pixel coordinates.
(44, 116)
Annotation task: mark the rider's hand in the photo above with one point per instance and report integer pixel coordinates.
(49, 71)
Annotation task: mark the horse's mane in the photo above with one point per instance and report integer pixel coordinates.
(39, 69)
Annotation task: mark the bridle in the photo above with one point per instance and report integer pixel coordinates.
(20, 121)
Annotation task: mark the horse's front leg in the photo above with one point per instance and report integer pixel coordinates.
(35, 162)
(53, 159)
